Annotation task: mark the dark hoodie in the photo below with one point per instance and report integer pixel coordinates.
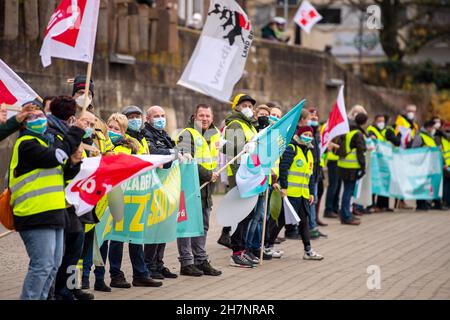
(235, 145)
(186, 144)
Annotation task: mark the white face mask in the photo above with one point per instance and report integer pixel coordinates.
(248, 112)
(381, 125)
(80, 101)
(411, 115)
(437, 125)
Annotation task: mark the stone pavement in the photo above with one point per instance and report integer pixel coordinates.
(411, 250)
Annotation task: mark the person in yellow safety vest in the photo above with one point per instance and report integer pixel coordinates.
(406, 125)
(442, 140)
(134, 116)
(296, 170)
(351, 164)
(239, 131)
(117, 126)
(201, 140)
(36, 180)
(381, 132)
(445, 145)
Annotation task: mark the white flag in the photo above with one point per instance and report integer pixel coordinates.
(71, 32)
(290, 215)
(13, 90)
(337, 123)
(99, 175)
(219, 58)
(307, 16)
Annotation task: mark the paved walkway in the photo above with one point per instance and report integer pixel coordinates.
(411, 250)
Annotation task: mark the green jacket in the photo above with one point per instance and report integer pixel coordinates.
(234, 135)
(9, 128)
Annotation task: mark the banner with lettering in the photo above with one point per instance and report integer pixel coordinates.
(152, 203)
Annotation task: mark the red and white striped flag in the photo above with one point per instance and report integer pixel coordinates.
(13, 90)
(337, 123)
(71, 32)
(99, 175)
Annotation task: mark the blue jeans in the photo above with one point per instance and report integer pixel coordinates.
(312, 218)
(254, 229)
(45, 250)
(349, 189)
(334, 187)
(99, 271)
(136, 251)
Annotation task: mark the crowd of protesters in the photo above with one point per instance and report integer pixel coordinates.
(55, 136)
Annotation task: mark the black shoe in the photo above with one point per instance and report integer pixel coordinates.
(82, 295)
(64, 295)
(225, 240)
(207, 269)
(191, 271)
(146, 282)
(157, 275)
(85, 283)
(167, 274)
(101, 286)
(422, 209)
(279, 240)
(120, 282)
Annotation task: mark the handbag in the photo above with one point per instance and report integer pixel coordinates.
(6, 211)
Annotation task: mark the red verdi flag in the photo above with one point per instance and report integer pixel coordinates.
(307, 16)
(71, 31)
(337, 123)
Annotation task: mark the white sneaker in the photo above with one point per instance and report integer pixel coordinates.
(312, 255)
(277, 254)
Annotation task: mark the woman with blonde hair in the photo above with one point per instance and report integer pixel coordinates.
(117, 127)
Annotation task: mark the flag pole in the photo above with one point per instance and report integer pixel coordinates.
(88, 83)
(266, 205)
(225, 166)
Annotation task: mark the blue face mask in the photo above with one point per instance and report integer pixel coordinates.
(306, 139)
(88, 133)
(115, 137)
(159, 123)
(38, 125)
(135, 124)
(313, 123)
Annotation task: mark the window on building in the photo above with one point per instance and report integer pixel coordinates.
(330, 16)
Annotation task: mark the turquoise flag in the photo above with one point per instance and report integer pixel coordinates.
(190, 215)
(273, 141)
(406, 173)
(152, 203)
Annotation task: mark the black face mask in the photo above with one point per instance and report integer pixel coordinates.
(263, 121)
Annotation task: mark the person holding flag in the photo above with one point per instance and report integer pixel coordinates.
(296, 170)
(239, 131)
(200, 139)
(406, 126)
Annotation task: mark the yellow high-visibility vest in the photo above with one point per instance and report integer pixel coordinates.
(37, 191)
(427, 140)
(206, 155)
(446, 151)
(249, 132)
(381, 136)
(143, 145)
(351, 160)
(401, 121)
(300, 173)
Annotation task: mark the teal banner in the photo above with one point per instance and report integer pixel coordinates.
(408, 174)
(158, 207)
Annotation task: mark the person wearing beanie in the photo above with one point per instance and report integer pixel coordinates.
(351, 165)
(295, 183)
(78, 90)
(240, 128)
